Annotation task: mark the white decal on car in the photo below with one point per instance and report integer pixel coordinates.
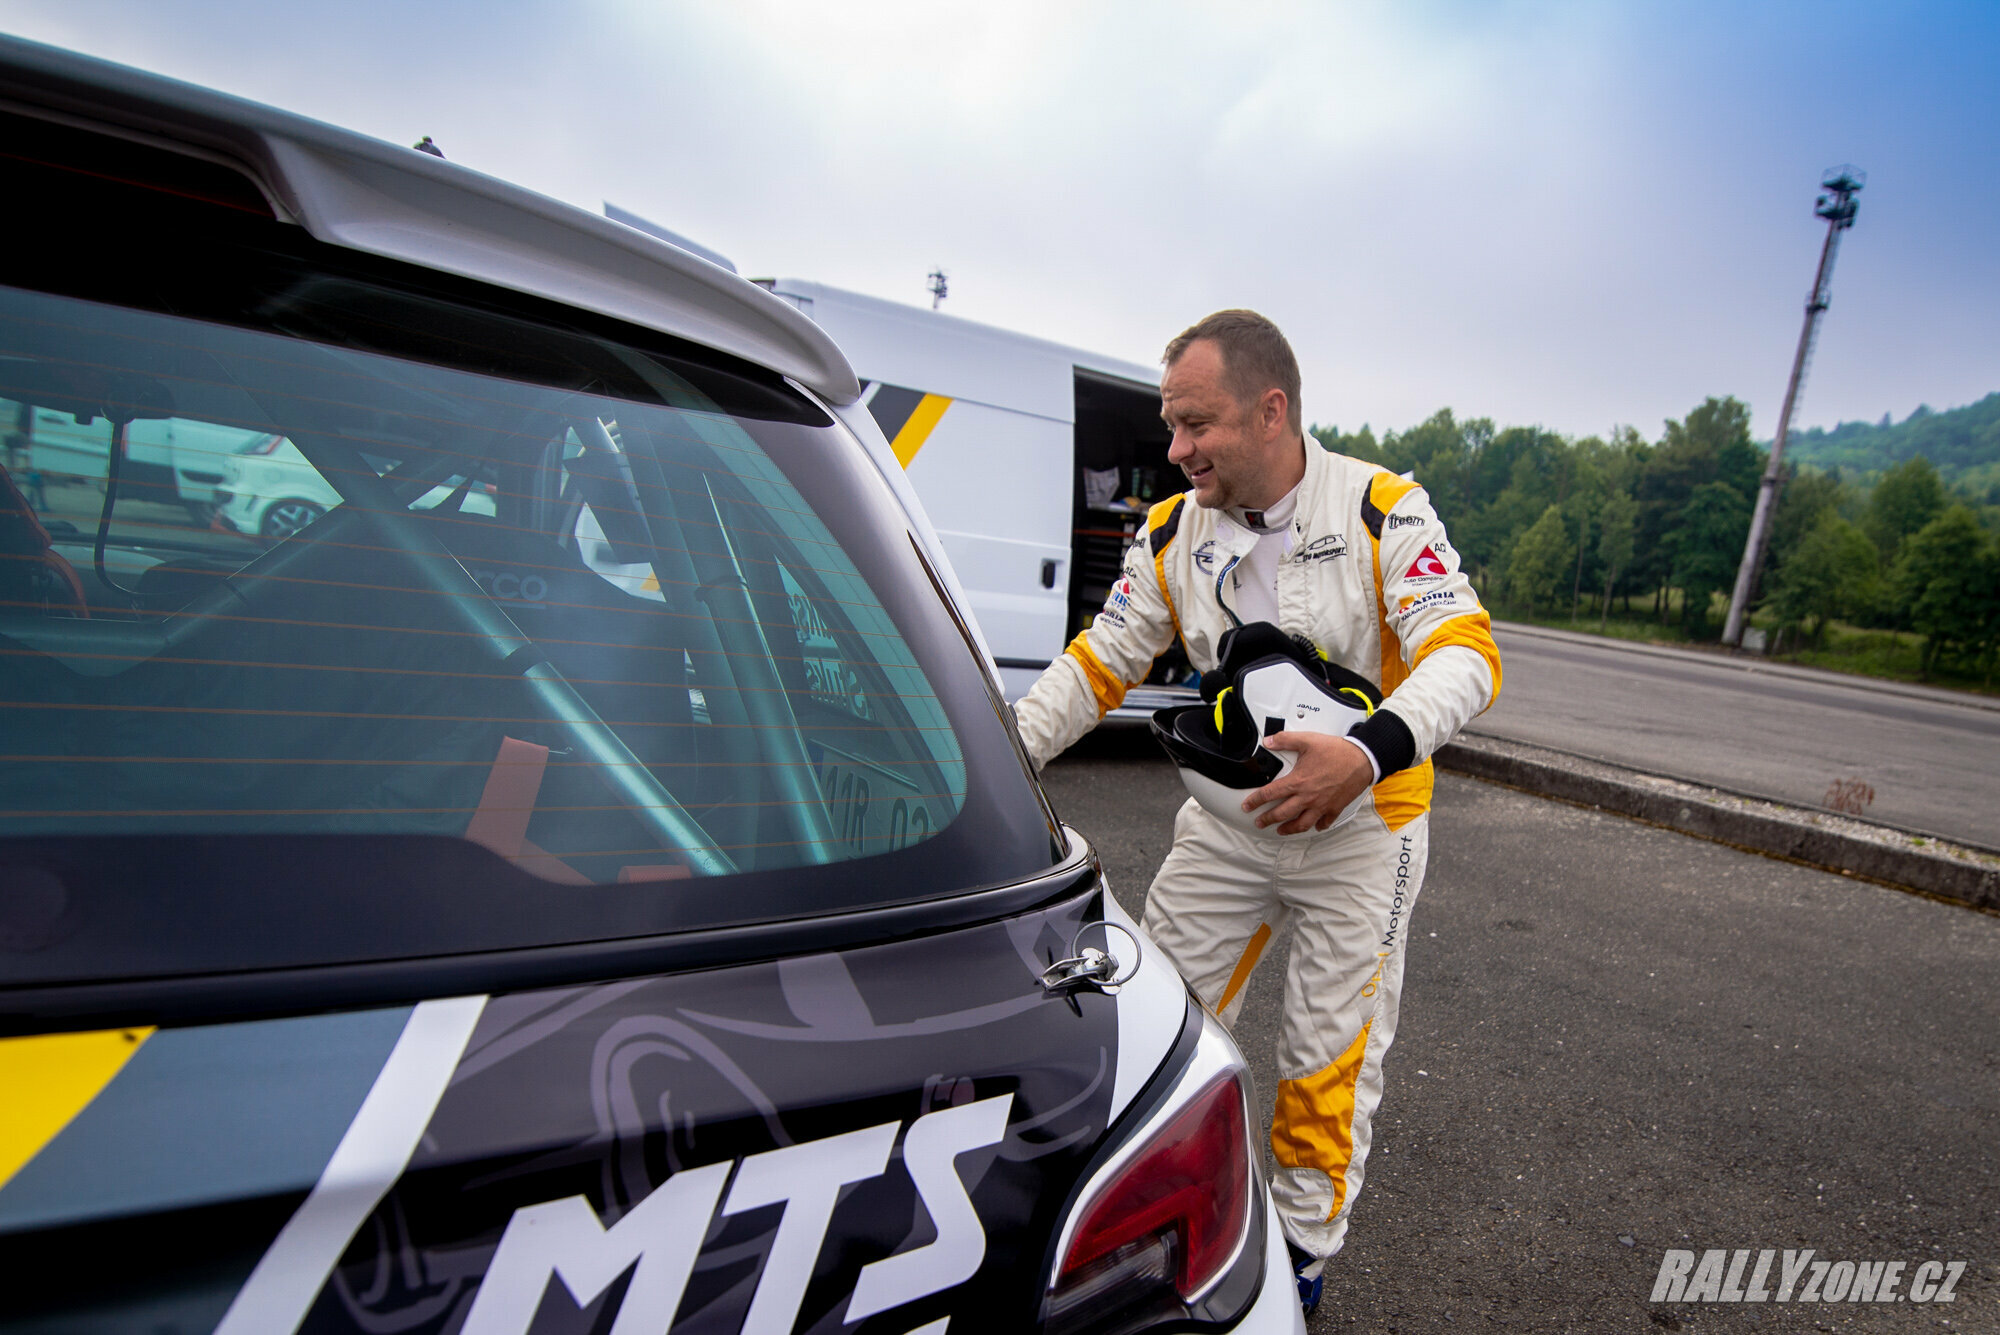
(370, 1157)
(930, 1152)
(566, 1239)
(663, 1233)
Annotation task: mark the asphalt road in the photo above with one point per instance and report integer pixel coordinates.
(1932, 757)
(1618, 1040)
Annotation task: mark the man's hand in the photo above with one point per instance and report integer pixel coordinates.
(1331, 772)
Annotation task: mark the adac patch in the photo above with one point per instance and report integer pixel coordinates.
(1426, 568)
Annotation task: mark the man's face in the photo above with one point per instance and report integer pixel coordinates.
(1223, 445)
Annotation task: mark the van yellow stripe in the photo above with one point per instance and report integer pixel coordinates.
(46, 1080)
(923, 420)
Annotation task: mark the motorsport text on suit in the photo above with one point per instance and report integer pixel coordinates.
(1369, 577)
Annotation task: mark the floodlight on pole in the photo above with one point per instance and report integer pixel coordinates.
(934, 284)
(1837, 205)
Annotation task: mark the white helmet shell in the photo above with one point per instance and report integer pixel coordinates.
(1273, 694)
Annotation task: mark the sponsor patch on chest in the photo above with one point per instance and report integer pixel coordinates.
(1323, 548)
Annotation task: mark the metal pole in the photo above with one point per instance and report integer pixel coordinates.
(1838, 209)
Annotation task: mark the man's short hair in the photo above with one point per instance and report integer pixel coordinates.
(1255, 357)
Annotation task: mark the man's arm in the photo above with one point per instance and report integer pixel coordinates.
(1113, 653)
(1440, 667)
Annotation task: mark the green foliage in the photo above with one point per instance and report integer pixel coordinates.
(1831, 572)
(1908, 497)
(1807, 497)
(1665, 521)
(1707, 546)
(1949, 580)
(1539, 560)
(1617, 522)
(1963, 443)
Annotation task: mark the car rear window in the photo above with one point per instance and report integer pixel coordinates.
(339, 550)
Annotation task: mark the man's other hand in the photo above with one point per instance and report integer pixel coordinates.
(1331, 772)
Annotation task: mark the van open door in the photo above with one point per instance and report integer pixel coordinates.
(1121, 472)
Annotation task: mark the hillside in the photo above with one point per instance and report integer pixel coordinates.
(1963, 443)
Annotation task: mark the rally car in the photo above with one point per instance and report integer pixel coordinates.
(584, 876)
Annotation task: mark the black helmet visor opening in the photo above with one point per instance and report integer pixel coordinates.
(1187, 734)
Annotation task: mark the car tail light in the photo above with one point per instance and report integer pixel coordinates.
(1166, 1219)
(262, 445)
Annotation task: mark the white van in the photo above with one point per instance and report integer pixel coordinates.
(1036, 461)
(170, 460)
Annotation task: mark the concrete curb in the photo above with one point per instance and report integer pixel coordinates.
(1969, 876)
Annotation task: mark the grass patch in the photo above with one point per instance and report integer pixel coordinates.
(1890, 654)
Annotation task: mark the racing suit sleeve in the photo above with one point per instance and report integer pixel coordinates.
(1440, 667)
(1112, 654)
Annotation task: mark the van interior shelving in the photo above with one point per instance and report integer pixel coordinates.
(1118, 428)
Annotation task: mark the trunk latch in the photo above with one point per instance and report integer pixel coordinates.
(1087, 965)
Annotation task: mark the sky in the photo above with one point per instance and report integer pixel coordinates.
(1572, 215)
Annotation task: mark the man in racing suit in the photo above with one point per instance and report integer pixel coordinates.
(1277, 529)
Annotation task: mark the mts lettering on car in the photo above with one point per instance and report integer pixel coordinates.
(1354, 560)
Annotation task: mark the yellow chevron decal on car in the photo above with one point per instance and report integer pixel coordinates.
(48, 1080)
(923, 420)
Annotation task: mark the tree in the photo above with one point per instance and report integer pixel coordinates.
(1831, 572)
(1538, 560)
(1909, 496)
(1949, 579)
(1711, 446)
(1806, 496)
(1616, 523)
(1707, 546)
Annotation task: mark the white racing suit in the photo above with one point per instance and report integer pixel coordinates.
(1371, 579)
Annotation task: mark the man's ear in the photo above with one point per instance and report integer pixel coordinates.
(1273, 411)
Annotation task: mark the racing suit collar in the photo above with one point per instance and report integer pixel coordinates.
(1319, 468)
(1232, 536)
(1274, 517)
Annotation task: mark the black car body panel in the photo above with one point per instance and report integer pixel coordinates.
(602, 1092)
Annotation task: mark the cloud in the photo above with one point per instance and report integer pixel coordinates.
(1568, 213)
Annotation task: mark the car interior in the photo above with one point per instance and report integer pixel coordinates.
(604, 637)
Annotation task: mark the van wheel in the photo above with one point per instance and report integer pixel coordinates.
(285, 518)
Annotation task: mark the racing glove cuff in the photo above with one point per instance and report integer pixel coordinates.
(1387, 739)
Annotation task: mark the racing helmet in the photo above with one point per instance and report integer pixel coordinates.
(1266, 682)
